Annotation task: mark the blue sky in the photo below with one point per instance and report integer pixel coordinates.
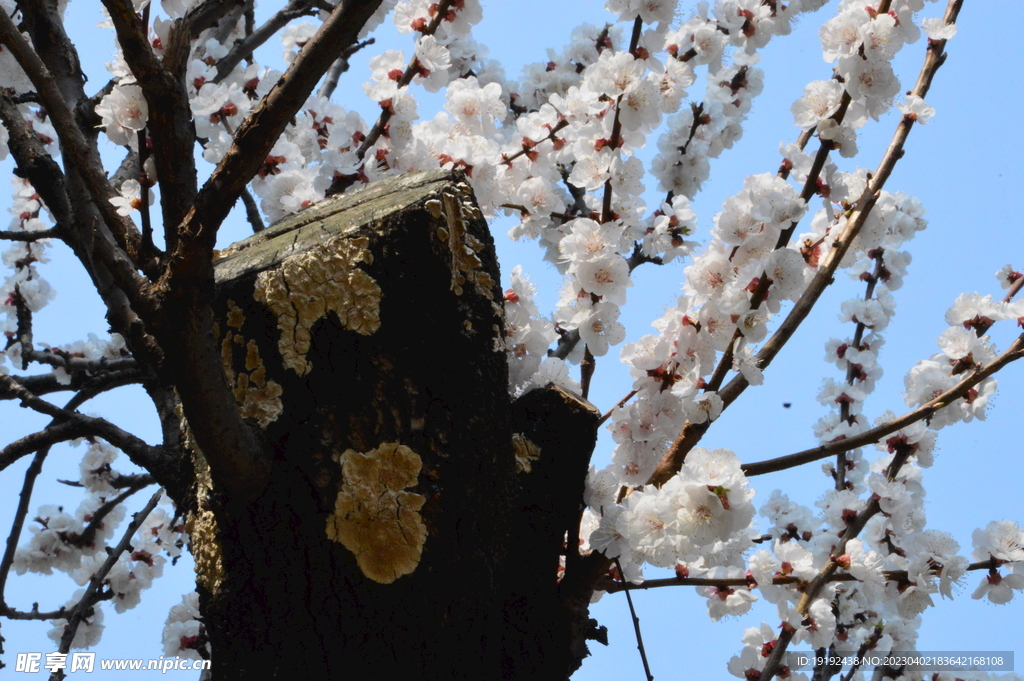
(964, 165)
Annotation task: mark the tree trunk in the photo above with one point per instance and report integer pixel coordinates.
(398, 537)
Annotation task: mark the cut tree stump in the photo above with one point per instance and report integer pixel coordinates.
(364, 341)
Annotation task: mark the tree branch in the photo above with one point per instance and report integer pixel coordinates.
(340, 184)
(243, 49)
(73, 143)
(51, 435)
(826, 572)
(153, 459)
(170, 116)
(56, 358)
(45, 384)
(258, 133)
(206, 16)
(612, 586)
(34, 163)
(636, 626)
(252, 212)
(24, 499)
(925, 411)
(89, 532)
(53, 233)
(339, 67)
(616, 139)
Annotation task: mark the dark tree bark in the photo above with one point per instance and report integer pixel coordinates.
(400, 534)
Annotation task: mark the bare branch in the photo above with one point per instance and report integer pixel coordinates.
(130, 169)
(618, 405)
(140, 480)
(636, 627)
(141, 453)
(51, 435)
(207, 15)
(339, 67)
(34, 614)
(243, 49)
(62, 360)
(226, 24)
(252, 212)
(20, 514)
(45, 384)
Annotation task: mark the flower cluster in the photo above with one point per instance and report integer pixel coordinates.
(184, 634)
(700, 515)
(74, 544)
(25, 288)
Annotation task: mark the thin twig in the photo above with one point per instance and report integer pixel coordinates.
(616, 138)
(636, 625)
(34, 614)
(96, 522)
(252, 212)
(618, 405)
(839, 475)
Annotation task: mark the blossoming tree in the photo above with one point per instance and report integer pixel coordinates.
(393, 474)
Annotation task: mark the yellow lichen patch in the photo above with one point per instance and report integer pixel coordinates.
(526, 452)
(374, 517)
(306, 287)
(200, 522)
(258, 398)
(235, 315)
(458, 209)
